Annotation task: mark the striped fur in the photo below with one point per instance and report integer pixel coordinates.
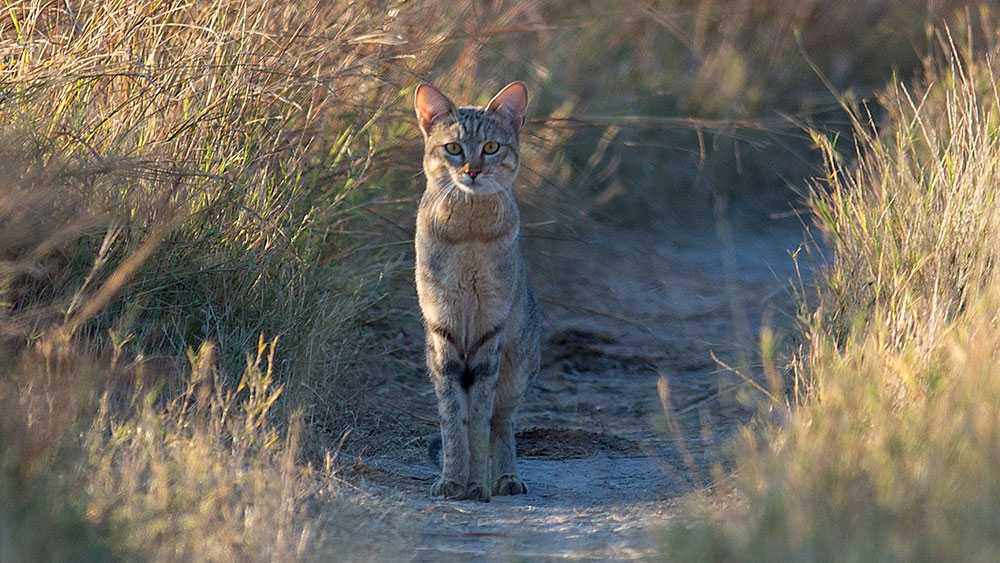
(482, 321)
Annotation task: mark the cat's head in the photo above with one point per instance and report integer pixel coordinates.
(472, 149)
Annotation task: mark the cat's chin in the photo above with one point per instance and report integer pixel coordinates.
(481, 187)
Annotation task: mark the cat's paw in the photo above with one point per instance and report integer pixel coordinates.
(476, 491)
(448, 489)
(509, 485)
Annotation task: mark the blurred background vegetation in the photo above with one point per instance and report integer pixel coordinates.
(183, 178)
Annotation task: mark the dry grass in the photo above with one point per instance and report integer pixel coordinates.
(176, 176)
(137, 474)
(890, 450)
(248, 127)
(192, 176)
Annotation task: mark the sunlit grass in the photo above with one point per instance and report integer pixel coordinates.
(890, 451)
(138, 473)
(249, 130)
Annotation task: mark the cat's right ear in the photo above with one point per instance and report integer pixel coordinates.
(431, 106)
(512, 102)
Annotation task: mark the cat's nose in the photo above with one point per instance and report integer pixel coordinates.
(473, 172)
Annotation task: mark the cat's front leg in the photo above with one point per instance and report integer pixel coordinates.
(482, 377)
(502, 453)
(446, 370)
(481, 396)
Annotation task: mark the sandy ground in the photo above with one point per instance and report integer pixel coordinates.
(622, 310)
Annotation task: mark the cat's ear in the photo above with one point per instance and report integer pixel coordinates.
(431, 106)
(511, 102)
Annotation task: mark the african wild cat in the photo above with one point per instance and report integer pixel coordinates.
(481, 318)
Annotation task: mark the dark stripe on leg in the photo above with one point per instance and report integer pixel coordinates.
(454, 370)
(475, 373)
(443, 333)
(486, 337)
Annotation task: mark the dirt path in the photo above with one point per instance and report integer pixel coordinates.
(621, 310)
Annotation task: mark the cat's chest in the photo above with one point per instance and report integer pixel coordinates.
(467, 286)
(467, 261)
(477, 271)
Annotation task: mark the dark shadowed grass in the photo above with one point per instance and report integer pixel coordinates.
(216, 170)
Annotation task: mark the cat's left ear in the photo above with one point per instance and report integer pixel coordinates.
(512, 103)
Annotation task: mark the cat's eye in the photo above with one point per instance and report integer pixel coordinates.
(453, 148)
(491, 147)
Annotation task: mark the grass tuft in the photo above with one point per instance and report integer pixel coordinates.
(136, 472)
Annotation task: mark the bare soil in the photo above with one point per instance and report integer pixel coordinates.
(622, 309)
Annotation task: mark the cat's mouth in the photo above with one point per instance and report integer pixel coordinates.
(480, 185)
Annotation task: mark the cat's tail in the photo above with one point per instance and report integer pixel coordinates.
(435, 451)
